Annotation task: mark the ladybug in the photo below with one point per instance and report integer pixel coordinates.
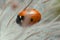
(28, 16)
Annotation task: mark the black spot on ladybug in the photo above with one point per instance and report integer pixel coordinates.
(31, 19)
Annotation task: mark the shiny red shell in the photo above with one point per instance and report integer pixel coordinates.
(34, 14)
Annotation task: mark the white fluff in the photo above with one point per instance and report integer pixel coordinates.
(47, 29)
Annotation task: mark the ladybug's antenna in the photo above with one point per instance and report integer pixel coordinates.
(28, 4)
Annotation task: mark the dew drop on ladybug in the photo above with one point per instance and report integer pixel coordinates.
(28, 16)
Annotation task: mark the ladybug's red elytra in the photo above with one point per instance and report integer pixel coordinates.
(28, 16)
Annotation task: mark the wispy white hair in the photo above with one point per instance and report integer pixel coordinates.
(47, 29)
